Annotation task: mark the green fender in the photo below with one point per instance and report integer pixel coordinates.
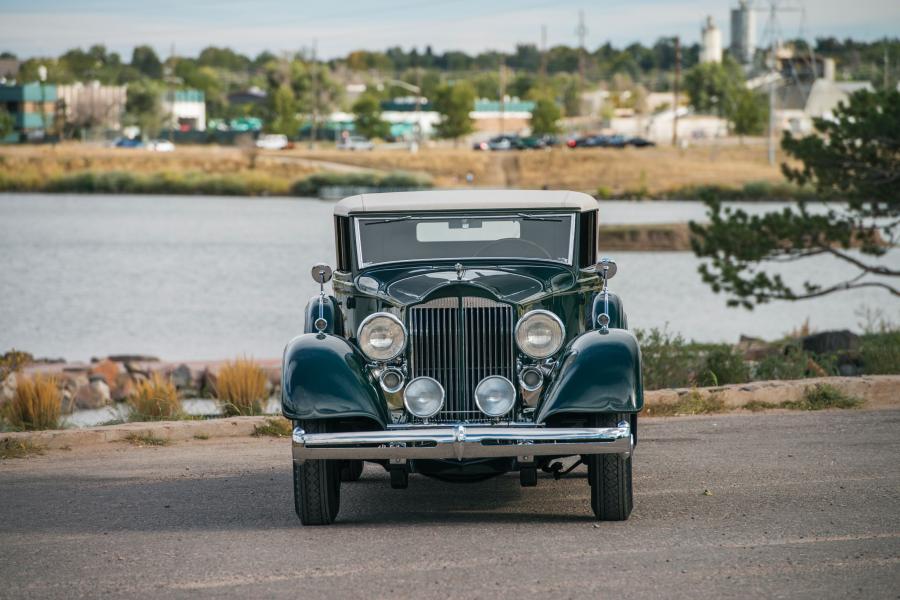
(598, 373)
(324, 377)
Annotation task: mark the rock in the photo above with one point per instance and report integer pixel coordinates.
(831, 341)
(136, 371)
(66, 401)
(181, 376)
(132, 358)
(94, 395)
(8, 388)
(207, 382)
(123, 388)
(107, 370)
(753, 348)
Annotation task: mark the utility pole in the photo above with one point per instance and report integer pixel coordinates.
(581, 31)
(502, 94)
(675, 91)
(314, 84)
(773, 31)
(544, 51)
(418, 128)
(885, 85)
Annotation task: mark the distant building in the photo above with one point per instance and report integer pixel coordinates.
(32, 107)
(711, 42)
(9, 69)
(186, 109)
(743, 33)
(93, 106)
(253, 95)
(511, 116)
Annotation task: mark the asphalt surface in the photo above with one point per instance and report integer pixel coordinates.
(799, 505)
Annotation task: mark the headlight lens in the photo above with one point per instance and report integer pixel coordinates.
(381, 336)
(423, 397)
(495, 396)
(540, 334)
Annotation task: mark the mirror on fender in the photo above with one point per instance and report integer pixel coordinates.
(607, 265)
(321, 273)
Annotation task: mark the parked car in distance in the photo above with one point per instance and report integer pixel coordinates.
(538, 142)
(469, 334)
(616, 141)
(272, 141)
(356, 143)
(161, 146)
(639, 142)
(500, 143)
(129, 143)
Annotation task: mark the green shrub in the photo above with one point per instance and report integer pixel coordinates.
(791, 363)
(824, 396)
(880, 353)
(313, 184)
(667, 360)
(693, 403)
(723, 365)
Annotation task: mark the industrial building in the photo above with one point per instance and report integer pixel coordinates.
(710, 42)
(33, 109)
(93, 106)
(186, 109)
(743, 33)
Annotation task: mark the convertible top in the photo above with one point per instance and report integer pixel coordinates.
(444, 200)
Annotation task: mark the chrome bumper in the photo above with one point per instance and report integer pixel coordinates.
(462, 442)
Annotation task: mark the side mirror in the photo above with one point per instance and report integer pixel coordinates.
(321, 274)
(608, 267)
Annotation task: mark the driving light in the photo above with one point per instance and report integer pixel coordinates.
(495, 396)
(540, 334)
(391, 380)
(381, 336)
(423, 397)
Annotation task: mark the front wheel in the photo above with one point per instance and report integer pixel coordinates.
(610, 479)
(317, 485)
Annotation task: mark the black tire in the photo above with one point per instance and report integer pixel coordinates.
(317, 485)
(352, 470)
(610, 478)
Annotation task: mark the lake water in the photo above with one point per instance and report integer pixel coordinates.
(208, 278)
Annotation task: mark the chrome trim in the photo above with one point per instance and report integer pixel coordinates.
(443, 397)
(559, 322)
(535, 387)
(393, 318)
(387, 388)
(462, 442)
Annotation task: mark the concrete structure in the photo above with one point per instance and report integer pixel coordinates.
(511, 116)
(32, 107)
(743, 33)
(186, 109)
(797, 104)
(710, 42)
(658, 127)
(93, 106)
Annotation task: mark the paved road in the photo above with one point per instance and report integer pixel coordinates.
(802, 506)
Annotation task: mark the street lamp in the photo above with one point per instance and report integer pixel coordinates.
(42, 75)
(418, 92)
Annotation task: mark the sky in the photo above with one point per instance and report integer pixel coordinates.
(49, 27)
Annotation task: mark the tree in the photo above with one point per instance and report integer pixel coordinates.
(454, 103)
(7, 123)
(545, 117)
(284, 109)
(711, 87)
(143, 107)
(367, 117)
(748, 112)
(855, 158)
(144, 59)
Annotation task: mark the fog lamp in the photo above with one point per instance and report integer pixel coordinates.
(423, 397)
(391, 380)
(495, 396)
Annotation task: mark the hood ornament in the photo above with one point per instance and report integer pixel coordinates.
(460, 271)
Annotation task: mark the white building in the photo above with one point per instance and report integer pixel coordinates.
(93, 106)
(710, 42)
(186, 109)
(743, 33)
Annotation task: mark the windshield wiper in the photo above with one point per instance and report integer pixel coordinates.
(537, 217)
(391, 220)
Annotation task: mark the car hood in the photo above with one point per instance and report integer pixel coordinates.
(514, 283)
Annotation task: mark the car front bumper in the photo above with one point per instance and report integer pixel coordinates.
(463, 442)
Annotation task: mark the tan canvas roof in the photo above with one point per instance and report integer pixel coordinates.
(443, 200)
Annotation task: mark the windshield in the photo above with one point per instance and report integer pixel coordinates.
(538, 236)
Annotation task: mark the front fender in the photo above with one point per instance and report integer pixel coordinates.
(330, 312)
(323, 377)
(599, 373)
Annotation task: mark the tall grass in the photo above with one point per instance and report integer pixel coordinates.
(155, 399)
(36, 404)
(241, 387)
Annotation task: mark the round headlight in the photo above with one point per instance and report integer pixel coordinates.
(495, 396)
(381, 336)
(540, 334)
(423, 397)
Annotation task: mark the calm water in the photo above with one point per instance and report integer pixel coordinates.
(206, 278)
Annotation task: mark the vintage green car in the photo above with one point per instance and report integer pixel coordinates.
(470, 334)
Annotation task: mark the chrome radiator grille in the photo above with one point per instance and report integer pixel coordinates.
(459, 342)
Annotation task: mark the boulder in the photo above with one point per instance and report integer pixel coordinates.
(181, 377)
(123, 388)
(131, 358)
(754, 348)
(66, 401)
(831, 341)
(93, 395)
(107, 370)
(207, 385)
(8, 388)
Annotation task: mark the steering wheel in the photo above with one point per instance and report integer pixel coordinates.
(513, 242)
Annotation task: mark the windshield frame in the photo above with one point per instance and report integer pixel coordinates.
(361, 265)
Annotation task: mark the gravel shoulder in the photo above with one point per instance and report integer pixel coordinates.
(786, 504)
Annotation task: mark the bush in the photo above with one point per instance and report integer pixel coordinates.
(155, 399)
(312, 185)
(880, 353)
(824, 396)
(241, 387)
(667, 360)
(36, 404)
(724, 365)
(693, 403)
(791, 363)
(13, 361)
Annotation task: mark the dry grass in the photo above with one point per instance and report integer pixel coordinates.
(36, 404)
(818, 397)
(155, 399)
(10, 448)
(241, 387)
(136, 439)
(275, 427)
(693, 403)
